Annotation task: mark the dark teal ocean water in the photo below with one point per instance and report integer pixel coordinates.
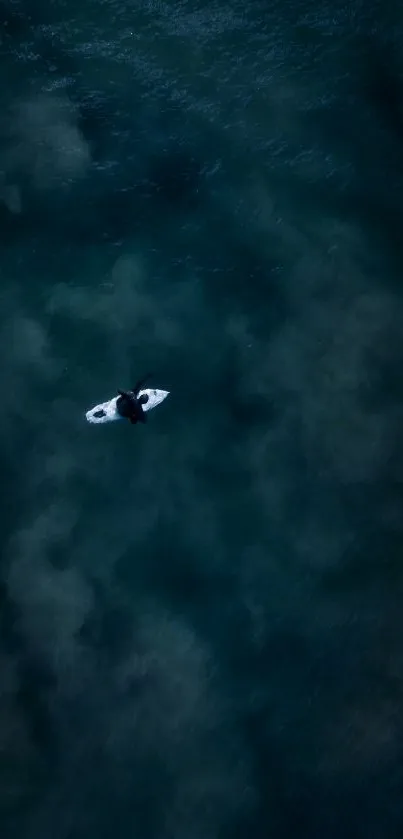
(201, 620)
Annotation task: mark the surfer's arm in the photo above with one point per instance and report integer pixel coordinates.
(139, 385)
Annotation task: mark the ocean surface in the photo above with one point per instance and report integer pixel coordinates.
(201, 619)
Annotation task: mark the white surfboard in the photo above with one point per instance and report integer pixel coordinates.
(107, 411)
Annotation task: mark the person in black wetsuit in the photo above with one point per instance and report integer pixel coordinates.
(130, 404)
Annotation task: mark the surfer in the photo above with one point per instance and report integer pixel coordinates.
(130, 405)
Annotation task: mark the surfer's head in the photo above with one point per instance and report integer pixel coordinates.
(129, 405)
